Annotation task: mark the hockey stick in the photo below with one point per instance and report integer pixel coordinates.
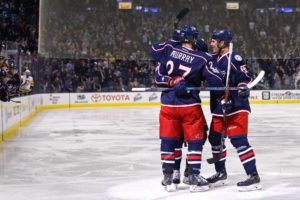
(256, 80)
(180, 16)
(14, 101)
(249, 86)
(224, 125)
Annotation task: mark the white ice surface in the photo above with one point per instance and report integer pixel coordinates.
(113, 154)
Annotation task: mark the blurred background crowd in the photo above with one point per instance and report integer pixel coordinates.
(92, 45)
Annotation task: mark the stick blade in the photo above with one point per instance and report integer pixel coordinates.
(257, 79)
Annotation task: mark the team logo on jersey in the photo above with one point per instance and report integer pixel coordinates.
(214, 69)
(238, 57)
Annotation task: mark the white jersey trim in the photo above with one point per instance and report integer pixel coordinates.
(166, 152)
(194, 162)
(187, 105)
(194, 152)
(239, 111)
(167, 161)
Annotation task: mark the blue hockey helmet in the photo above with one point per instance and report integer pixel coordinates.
(222, 35)
(188, 33)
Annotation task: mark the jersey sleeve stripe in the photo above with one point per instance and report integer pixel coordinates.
(160, 49)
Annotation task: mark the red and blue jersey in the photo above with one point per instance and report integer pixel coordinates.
(175, 60)
(239, 76)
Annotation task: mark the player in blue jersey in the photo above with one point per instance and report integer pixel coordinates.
(202, 47)
(237, 110)
(180, 66)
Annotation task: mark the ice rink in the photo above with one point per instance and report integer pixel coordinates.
(112, 153)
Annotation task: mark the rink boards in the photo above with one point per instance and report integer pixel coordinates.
(15, 115)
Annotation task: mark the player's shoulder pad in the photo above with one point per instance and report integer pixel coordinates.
(237, 58)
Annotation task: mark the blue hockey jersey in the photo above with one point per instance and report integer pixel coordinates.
(239, 76)
(174, 60)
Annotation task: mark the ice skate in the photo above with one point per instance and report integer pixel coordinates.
(168, 180)
(250, 184)
(218, 179)
(198, 183)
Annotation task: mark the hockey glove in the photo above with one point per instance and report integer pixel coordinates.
(175, 80)
(226, 106)
(201, 45)
(180, 89)
(176, 35)
(244, 94)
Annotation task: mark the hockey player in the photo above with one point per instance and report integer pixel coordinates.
(237, 110)
(179, 66)
(202, 47)
(14, 81)
(178, 156)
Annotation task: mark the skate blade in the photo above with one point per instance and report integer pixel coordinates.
(218, 183)
(249, 188)
(195, 188)
(171, 188)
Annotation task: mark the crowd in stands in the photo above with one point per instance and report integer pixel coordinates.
(280, 73)
(97, 29)
(92, 46)
(260, 30)
(65, 75)
(79, 75)
(87, 30)
(19, 23)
